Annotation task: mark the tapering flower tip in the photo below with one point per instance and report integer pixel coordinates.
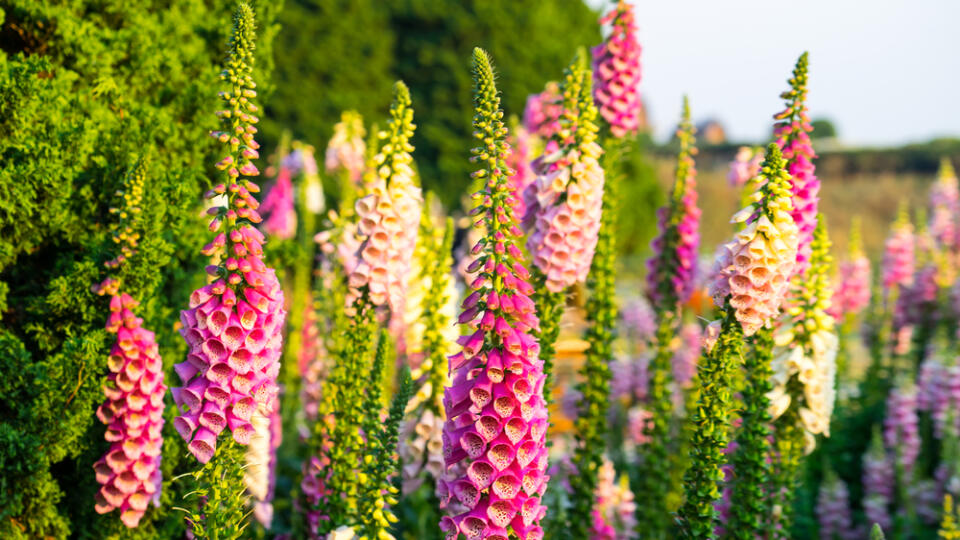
(671, 271)
(944, 207)
(565, 201)
(614, 509)
(616, 72)
(792, 133)
(879, 477)
(494, 439)
(898, 254)
(129, 473)
(347, 149)
(388, 218)
(541, 115)
(278, 206)
(124, 230)
(754, 268)
(745, 165)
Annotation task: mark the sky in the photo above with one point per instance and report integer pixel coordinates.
(886, 72)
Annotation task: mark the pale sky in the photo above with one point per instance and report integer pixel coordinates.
(884, 71)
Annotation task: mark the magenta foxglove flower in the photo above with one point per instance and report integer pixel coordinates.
(745, 166)
(281, 222)
(494, 438)
(234, 325)
(833, 510)
(541, 116)
(129, 473)
(671, 271)
(519, 163)
(616, 72)
(852, 293)
(792, 133)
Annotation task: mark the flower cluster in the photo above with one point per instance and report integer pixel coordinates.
(792, 133)
(281, 222)
(346, 150)
(671, 271)
(541, 116)
(745, 166)
(234, 325)
(754, 268)
(616, 72)
(389, 218)
(495, 433)
(133, 412)
(878, 484)
(613, 512)
(807, 347)
(852, 291)
(566, 199)
(939, 393)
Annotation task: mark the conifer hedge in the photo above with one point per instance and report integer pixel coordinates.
(88, 87)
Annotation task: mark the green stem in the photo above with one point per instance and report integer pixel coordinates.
(222, 493)
(711, 420)
(751, 469)
(655, 468)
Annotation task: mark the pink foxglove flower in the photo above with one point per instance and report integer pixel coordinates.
(852, 293)
(129, 473)
(495, 434)
(281, 222)
(613, 513)
(541, 116)
(945, 207)
(792, 133)
(567, 195)
(234, 325)
(347, 149)
(616, 72)
(389, 220)
(671, 271)
(898, 255)
(755, 267)
(745, 165)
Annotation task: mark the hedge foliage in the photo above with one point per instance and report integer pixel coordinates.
(87, 87)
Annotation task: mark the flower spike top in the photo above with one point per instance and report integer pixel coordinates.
(347, 149)
(852, 293)
(389, 217)
(616, 72)
(234, 325)
(129, 473)
(671, 271)
(755, 267)
(898, 254)
(564, 203)
(945, 206)
(792, 133)
(494, 439)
